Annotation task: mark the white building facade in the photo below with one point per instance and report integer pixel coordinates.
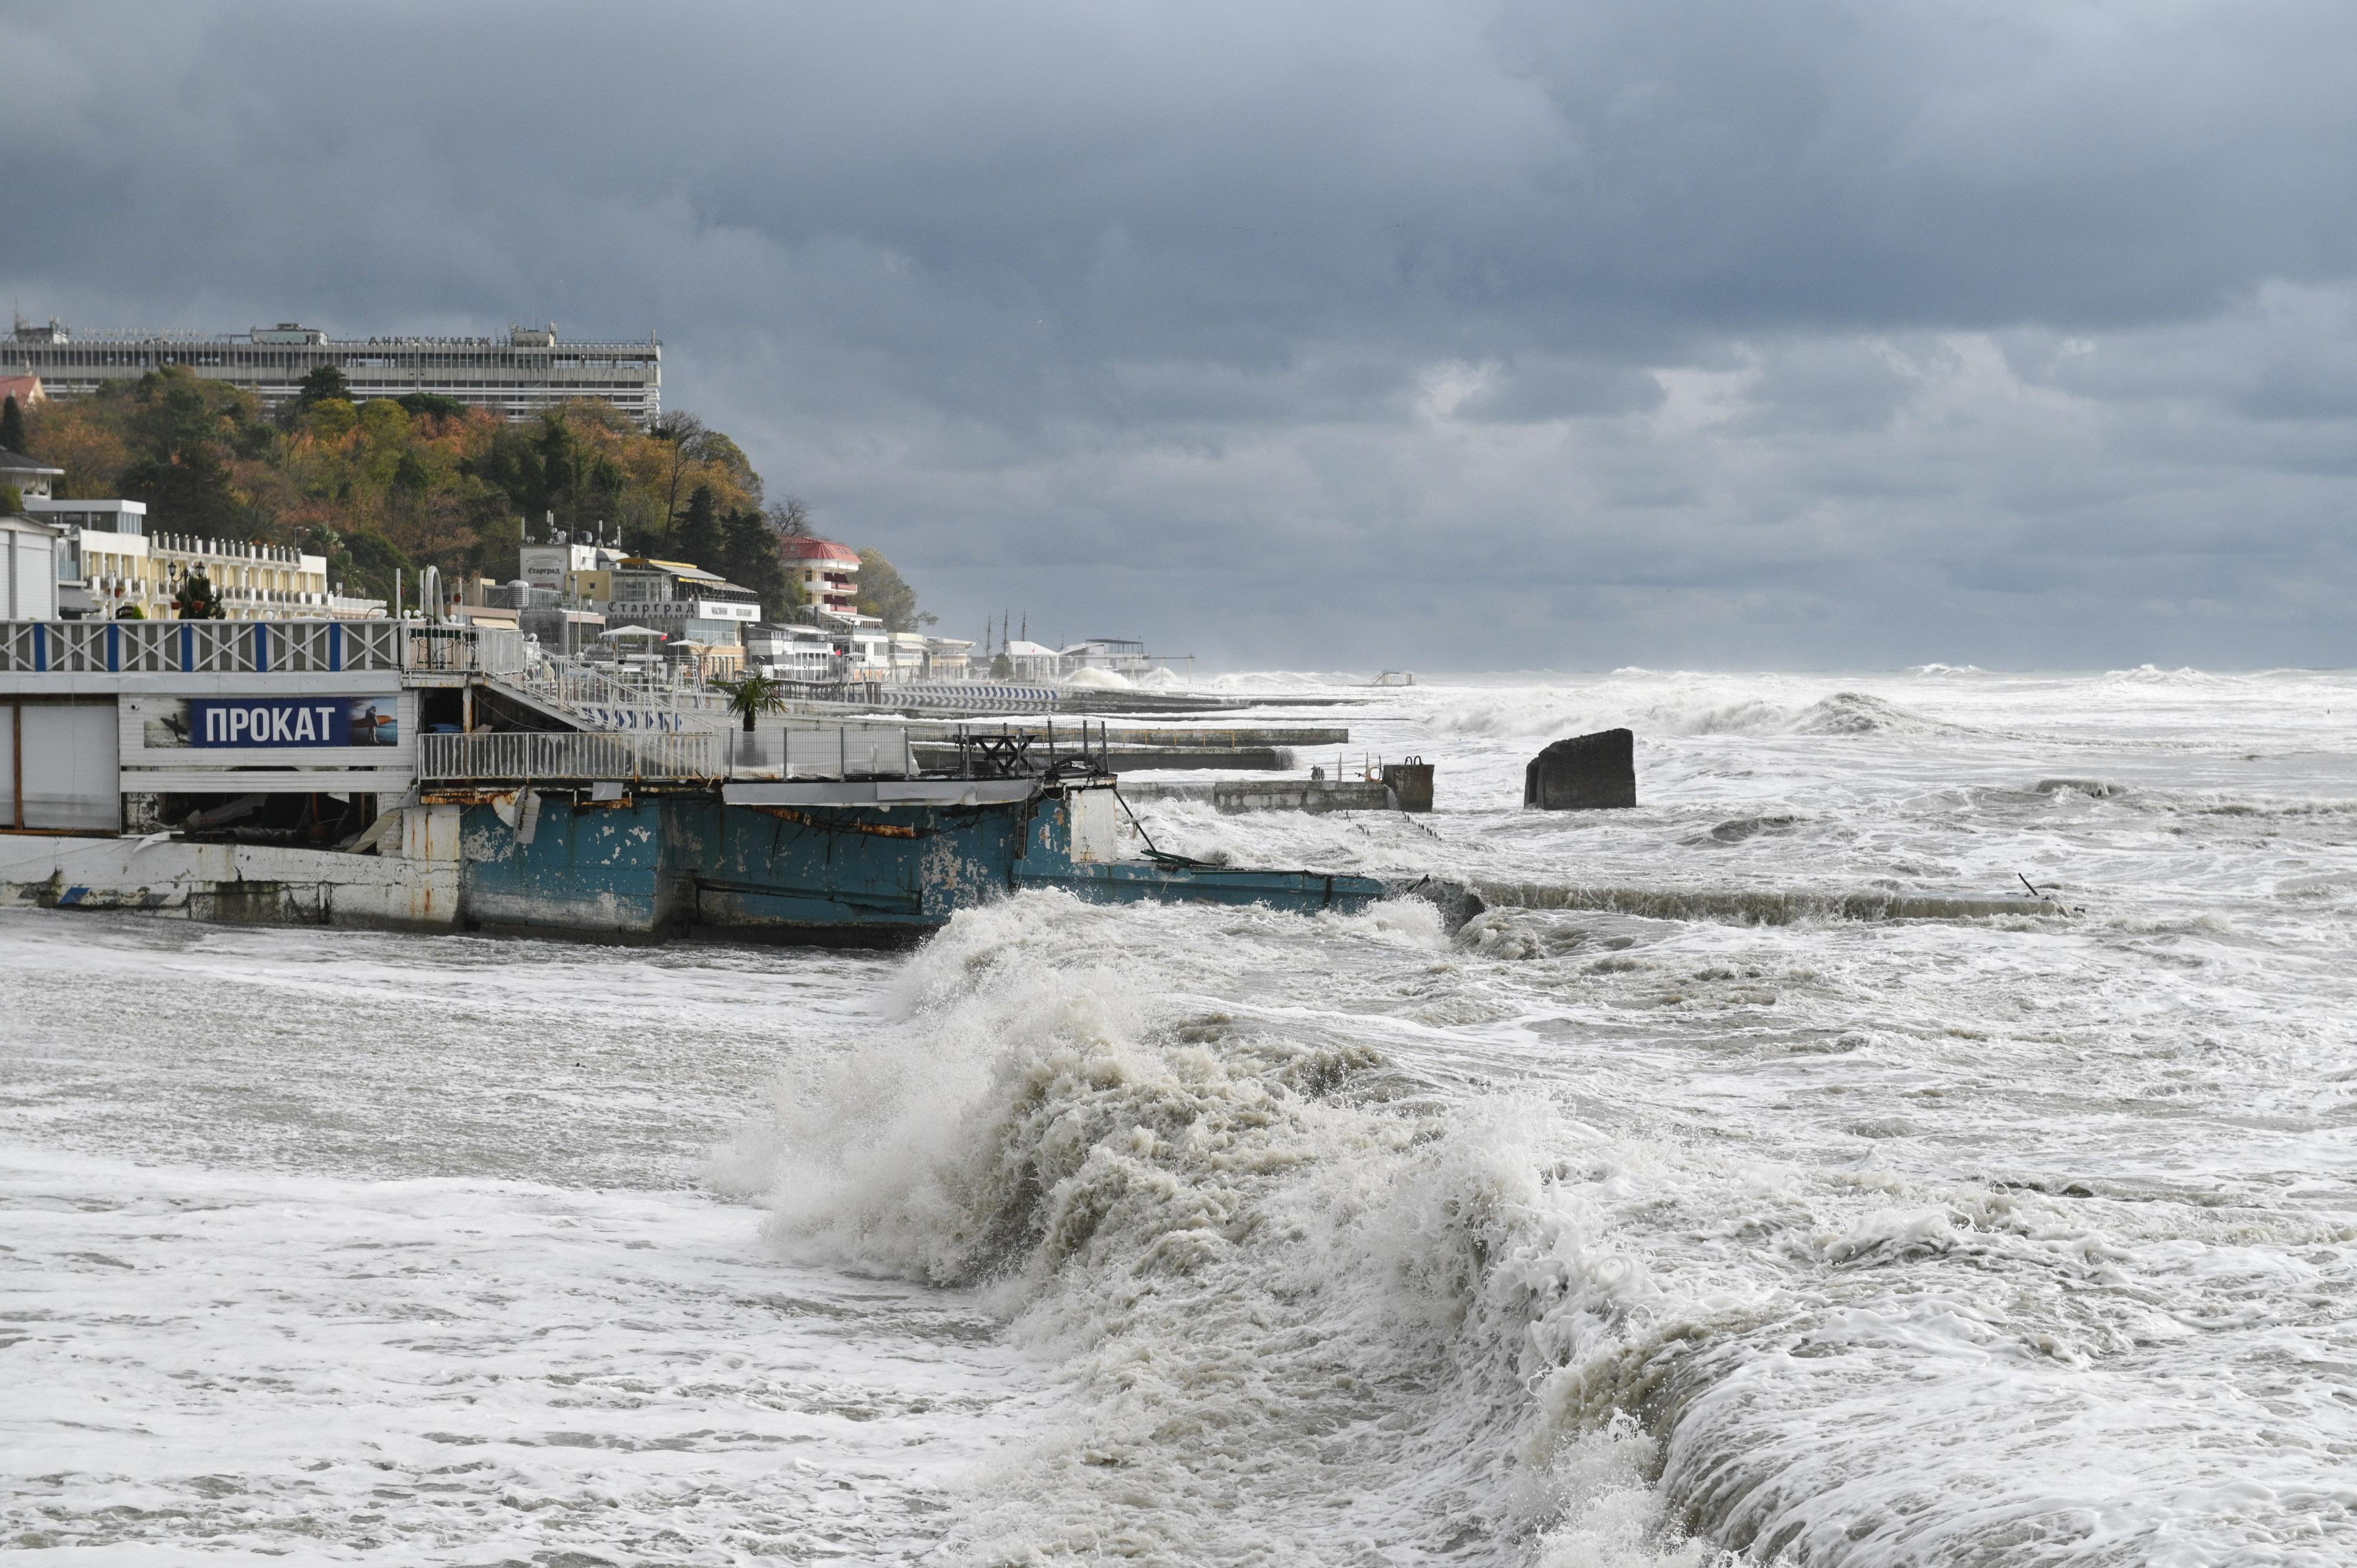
(521, 376)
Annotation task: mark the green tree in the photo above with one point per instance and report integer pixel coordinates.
(750, 559)
(195, 600)
(189, 489)
(367, 565)
(321, 385)
(886, 594)
(328, 419)
(182, 434)
(12, 424)
(698, 539)
(12, 500)
(754, 695)
(432, 405)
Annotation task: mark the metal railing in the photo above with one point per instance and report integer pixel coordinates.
(252, 646)
(564, 757)
(981, 696)
(826, 751)
(605, 701)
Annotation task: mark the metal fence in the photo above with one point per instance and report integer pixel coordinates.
(970, 696)
(603, 701)
(252, 646)
(556, 756)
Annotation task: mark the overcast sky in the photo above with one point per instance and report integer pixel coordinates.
(1386, 334)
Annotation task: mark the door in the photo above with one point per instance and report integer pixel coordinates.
(66, 763)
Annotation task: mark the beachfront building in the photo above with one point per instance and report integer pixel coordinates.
(1030, 660)
(682, 600)
(827, 574)
(572, 569)
(916, 657)
(792, 651)
(30, 477)
(109, 564)
(860, 641)
(519, 376)
(1119, 656)
(28, 569)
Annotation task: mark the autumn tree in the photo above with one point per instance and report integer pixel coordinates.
(183, 434)
(687, 439)
(886, 594)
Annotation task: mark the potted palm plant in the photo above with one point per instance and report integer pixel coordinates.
(752, 695)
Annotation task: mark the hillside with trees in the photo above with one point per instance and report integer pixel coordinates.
(391, 484)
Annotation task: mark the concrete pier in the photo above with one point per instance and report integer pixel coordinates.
(1072, 736)
(1275, 795)
(937, 758)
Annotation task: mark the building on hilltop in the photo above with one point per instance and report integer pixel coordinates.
(827, 573)
(522, 375)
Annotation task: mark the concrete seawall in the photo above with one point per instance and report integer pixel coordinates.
(1275, 795)
(240, 883)
(1138, 758)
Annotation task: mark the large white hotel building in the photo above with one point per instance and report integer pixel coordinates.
(526, 373)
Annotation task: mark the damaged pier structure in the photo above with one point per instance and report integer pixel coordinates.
(418, 776)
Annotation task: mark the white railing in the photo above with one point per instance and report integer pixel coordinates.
(984, 696)
(253, 647)
(557, 755)
(607, 701)
(199, 647)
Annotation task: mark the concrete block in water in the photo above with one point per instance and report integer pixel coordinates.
(1410, 784)
(1585, 773)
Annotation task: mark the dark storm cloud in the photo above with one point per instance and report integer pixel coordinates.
(1479, 335)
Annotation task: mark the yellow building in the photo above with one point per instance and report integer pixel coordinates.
(114, 564)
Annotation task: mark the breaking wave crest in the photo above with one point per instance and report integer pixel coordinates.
(1313, 1302)
(1281, 1276)
(1550, 714)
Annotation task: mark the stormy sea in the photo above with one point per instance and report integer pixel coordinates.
(1680, 1207)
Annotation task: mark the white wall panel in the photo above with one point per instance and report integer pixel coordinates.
(69, 767)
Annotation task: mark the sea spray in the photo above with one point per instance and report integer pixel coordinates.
(1285, 1280)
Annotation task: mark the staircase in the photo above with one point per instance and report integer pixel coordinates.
(572, 693)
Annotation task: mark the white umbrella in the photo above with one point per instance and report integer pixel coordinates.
(630, 632)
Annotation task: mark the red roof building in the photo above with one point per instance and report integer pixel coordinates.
(827, 573)
(25, 390)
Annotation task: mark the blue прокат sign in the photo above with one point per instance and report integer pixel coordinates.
(257, 722)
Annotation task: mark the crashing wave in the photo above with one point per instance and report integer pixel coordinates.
(1273, 1269)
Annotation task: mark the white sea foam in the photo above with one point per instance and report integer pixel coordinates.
(1646, 1231)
